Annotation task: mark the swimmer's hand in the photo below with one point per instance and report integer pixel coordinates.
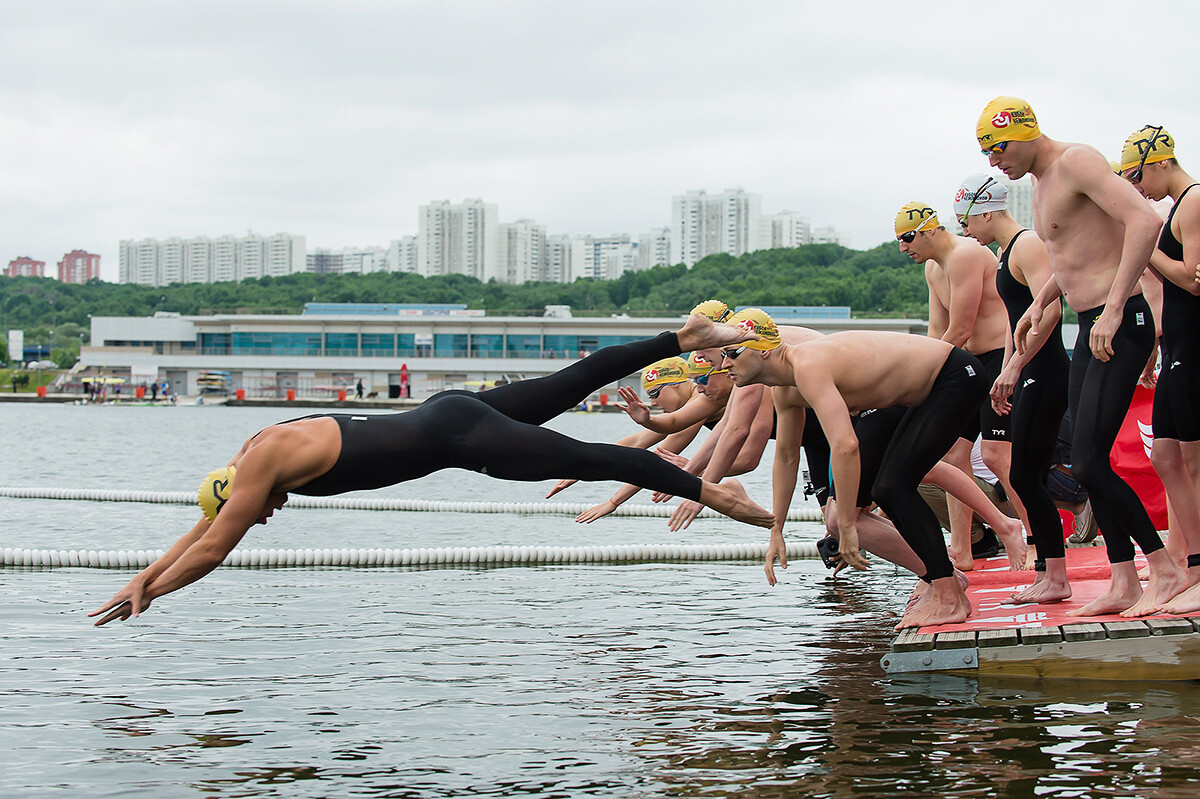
(638, 411)
(1104, 331)
(776, 550)
(562, 485)
(684, 514)
(1027, 328)
(848, 548)
(125, 604)
(1003, 388)
(673, 458)
(598, 512)
(1148, 379)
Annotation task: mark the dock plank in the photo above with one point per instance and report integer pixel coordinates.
(1170, 626)
(1084, 631)
(955, 640)
(1040, 635)
(912, 641)
(1126, 629)
(1007, 637)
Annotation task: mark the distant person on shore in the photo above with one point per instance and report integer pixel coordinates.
(1099, 234)
(358, 389)
(496, 433)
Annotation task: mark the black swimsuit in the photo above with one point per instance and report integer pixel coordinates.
(497, 433)
(1038, 404)
(1177, 396)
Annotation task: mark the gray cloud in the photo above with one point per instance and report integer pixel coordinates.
(336, 121)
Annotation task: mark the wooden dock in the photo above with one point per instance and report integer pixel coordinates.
(1041, 641)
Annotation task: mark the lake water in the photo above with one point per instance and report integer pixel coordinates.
(679, 679)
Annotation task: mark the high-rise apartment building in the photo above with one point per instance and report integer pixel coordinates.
(789, 229)
(78, 266)
(703, 224)
(1020, 202)
(654, 248)
(522, 251)
(828, 235)
(25, 267)
(461, 239)
(402, 255)
(150, 262)
(349, 260)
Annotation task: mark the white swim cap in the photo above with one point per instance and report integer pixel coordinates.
(979, 194)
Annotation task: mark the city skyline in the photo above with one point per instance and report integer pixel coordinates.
(467, 238)
(154, 120)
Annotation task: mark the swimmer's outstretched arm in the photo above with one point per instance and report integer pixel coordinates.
(194, 555)
(697, 409)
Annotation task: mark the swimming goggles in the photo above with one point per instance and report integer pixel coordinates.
(908, 237)
(733, 353)
(1135, 177)
(975, 199)
(997, 148)
(702, 380)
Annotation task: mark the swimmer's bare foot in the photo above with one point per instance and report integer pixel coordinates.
(1049, 586)
(1167, 581)
(963, 561)
(1123, 592)
(1185, 602)
(700, 332)
(731, 499)
(943, 603)
(1012, 534)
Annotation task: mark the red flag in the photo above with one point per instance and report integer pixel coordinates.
(1131, 456)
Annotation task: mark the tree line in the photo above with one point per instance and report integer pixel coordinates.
(877, 282)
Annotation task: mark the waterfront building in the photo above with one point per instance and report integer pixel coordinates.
(333, 345)
(78, 266)
(25, 267)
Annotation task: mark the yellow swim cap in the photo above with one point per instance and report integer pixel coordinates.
(1152, 141)
(757, 321)
(1006, 119)
(916, 216)
(1115, 166)
(666, 372)
(214, 491)
(699, 366)
(713, 309)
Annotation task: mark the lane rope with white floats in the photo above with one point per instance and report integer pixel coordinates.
(369, 503)
(437, 556)
(441, 556)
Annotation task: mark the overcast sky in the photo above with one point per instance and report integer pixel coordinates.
(337, 120)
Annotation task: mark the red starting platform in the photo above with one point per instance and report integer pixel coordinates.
(1041, 640)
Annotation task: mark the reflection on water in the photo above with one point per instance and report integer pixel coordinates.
(572, 680)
